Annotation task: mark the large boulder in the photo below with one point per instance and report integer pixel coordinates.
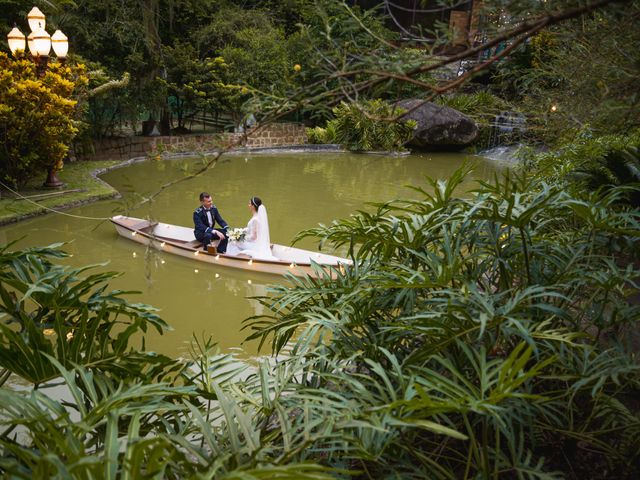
(439, 127)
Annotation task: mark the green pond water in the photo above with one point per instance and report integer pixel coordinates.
(299, 191)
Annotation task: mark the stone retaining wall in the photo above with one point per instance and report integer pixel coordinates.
(123, 148)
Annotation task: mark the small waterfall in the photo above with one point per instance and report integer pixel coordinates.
(503, 155)
(506, 129)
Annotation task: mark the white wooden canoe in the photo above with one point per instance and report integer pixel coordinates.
(180, 240)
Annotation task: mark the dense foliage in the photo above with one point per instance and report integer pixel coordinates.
(478, 337)
(195, 85)
(591, 163)
(307, 56)
(365, 126)
(160, 45)
(38, 117)
(579, 75)
(55, 315)
(489, 336)
(124, 412)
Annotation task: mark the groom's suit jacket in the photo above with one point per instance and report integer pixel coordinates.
(201, 221)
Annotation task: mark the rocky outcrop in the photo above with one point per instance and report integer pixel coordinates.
(439, 127)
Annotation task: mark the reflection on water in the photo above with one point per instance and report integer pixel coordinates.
(299, 190)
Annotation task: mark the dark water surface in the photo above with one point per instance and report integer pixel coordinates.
(299, 191)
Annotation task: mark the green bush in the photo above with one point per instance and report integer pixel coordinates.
(584, 152)
(55, 316)
(617, 168)
(370, 125)
(316, 135)
(319, 135)
(479, 337)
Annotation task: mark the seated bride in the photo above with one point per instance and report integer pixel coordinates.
(256, 242)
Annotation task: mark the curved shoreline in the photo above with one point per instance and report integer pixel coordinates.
(96, 173)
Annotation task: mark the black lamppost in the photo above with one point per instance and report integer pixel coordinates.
(40, 43)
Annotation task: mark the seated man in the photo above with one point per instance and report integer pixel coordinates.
(204, 219)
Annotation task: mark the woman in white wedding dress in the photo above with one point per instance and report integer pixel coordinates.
(257, 242)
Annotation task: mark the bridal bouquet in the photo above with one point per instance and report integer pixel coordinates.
(237, 234)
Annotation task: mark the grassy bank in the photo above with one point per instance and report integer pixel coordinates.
(80, 187)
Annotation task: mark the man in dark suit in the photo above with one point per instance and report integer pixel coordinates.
(204, 219)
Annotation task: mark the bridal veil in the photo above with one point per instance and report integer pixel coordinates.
(261, 248)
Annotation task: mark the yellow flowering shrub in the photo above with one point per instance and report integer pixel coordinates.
(37, 116)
